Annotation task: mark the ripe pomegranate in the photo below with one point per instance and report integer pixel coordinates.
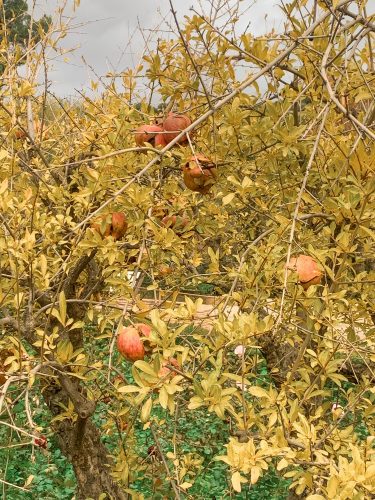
(173, 125)
(130, 344)
(165, 270)
(159, 211)
(41, 442)
(123, 423)
(4, 354)
(176, 222)
(143, 329)
(307, 270)
(199, 174)
(153, 134)
(153, 453)
(119, 225)
(117, 228)
(18, 133)
(165, 372)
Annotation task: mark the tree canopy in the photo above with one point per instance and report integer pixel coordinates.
(282, 133)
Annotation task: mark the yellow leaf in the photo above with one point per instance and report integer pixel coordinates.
(125, 389)
(64, 351)
(185, 485)
(258, 392)
(228, 198)
(254, 474)
(146, 368)
(163, 398)
(146, 410)
(236, 481)
(90, 314)
(4, 184)
(282, 464)
(94, 174)
(332, 485)
(28, 481)
(272, 419)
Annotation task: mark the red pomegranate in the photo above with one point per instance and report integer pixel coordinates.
(153, 134)
(4, 354)
(143, 329)
(40, 441)
(160, 141)
(165, 372)
(165, 270)
(173, 125)
(130, 344)
(116, 228)
(119, 225)
(176, 222)
(307, 270)
(199, 174)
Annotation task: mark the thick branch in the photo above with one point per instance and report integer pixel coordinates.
(74, 274)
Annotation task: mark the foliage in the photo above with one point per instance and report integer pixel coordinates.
(17, 26)
(294, 148)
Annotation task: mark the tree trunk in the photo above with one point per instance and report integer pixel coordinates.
(80, 442)
(90, 461)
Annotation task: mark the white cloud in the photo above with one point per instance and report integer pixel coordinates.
(107, 33)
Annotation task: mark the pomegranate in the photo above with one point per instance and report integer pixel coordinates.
(130, 344)
(119, 225)
(123, 423)
(160, 141)
(18, 133)
(41, 442)
(165, 372)
(176, 222)
(4, 354)
(159, 211)
(173, 125)
(117, 228)
(153, 134)
(199, 174)
(307, 270)
(143, 329)
(165, 270)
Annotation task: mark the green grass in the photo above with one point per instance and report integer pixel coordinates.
(199, 435)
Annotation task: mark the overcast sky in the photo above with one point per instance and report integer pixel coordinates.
(107, 33)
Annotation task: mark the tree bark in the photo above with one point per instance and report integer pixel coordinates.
(90, 461)
(80, 442)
